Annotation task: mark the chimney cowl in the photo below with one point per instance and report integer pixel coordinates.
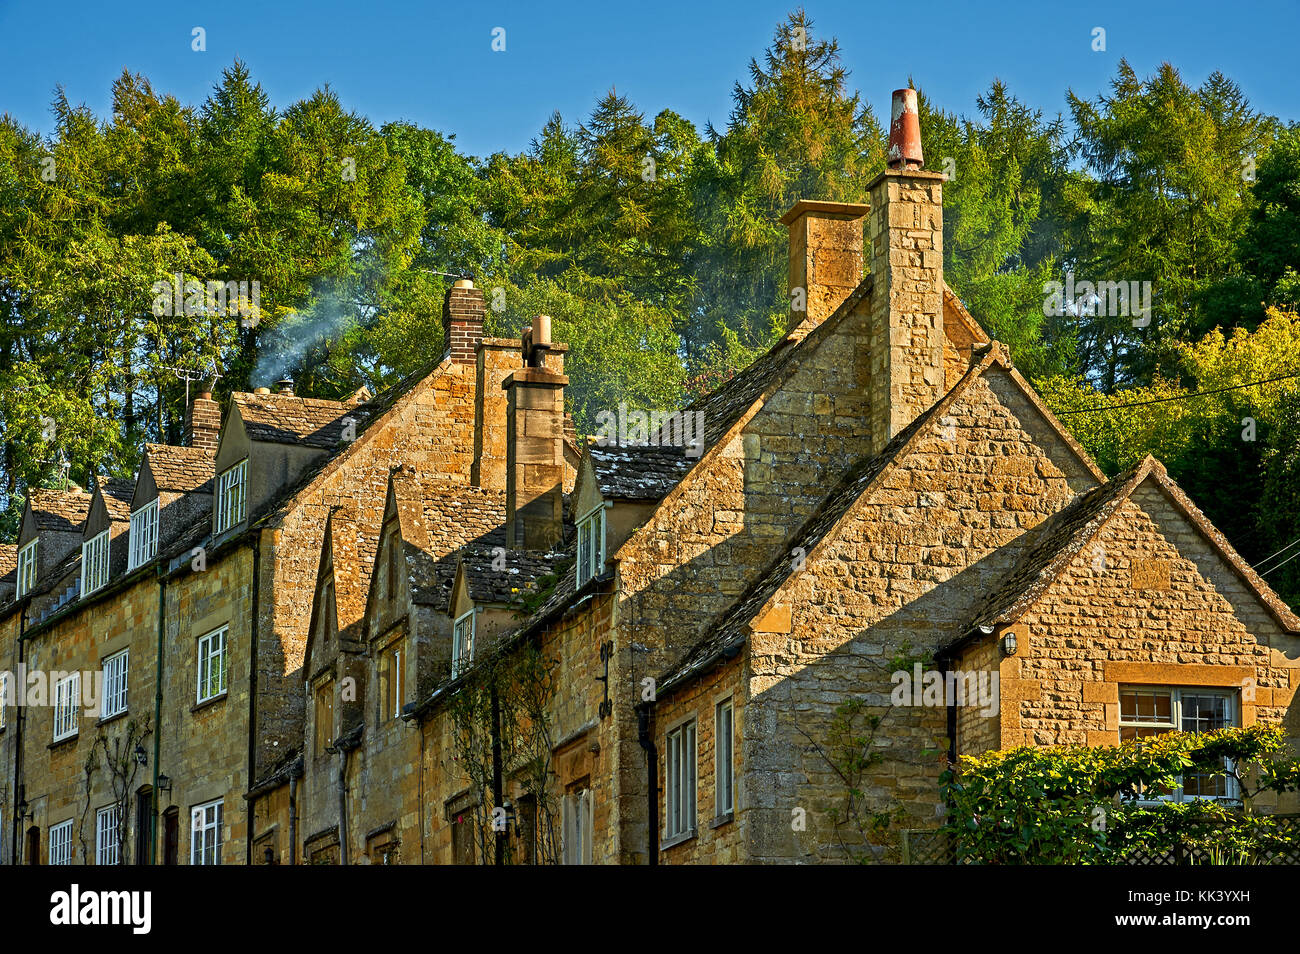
(904, 132)
(284, 386)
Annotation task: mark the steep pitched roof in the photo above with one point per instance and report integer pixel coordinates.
(489, 581)
(438, 518)
(1054, 544)
(637, 472)
(180, 470)
(289, 419)
(733, 629)
(117, 492)
(59, 511)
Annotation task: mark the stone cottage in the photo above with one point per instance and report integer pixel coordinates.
(429, 627)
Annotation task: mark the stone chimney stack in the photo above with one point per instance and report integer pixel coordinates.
(463, 309)
(535, 444)
(825, 256)
(905, 235)
(202, 424)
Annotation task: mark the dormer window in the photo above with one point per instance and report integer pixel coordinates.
(144, 535)
(94, 563)
(462, 644)
(27, 568)
(229, 510)
(591, 545)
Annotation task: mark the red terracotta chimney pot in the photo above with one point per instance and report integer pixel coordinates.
(904, 132)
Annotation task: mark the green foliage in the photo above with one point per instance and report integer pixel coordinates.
(1079, 805)
(1236, 452)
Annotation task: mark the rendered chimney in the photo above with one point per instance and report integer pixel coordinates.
(202, 423)
(905, 234)
(825, 256)
(463, 309)
(534, 452)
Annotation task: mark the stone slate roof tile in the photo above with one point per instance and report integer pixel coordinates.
(118, 492)
(638, 472)
(180, 470)
(59, 511)
(289, 419)
(521, 574)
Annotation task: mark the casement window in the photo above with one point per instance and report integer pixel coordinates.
(5, 701)
(575, 829)
(205, 834)
(213, 663)
(67, 696)
(591, 545)
(115, 670)
(1146, 711)
(106, 835)
(724, 767)
(61, 843)
(94, 563)
(229, 509)
(324, 717)
(144, 535)
(462, 644)
(27, 567)
(679, 820)
(392, 662)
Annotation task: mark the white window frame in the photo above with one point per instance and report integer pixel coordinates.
(116, 669)
(60, 843)
(1175, 693)
(67, 698)
(213, 646)
(591, 544)
(94, 563)
(462, 649)
(229, 508)
(681, 791)
(205, 833)
(394, 659)
(144, 535)
(724, 758)
(107, 840)
(27, 567)
(575, 828)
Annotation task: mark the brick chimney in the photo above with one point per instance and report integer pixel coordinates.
(825, 256)
(905, 235)
(202, 424)
(535, 445)
(463, 309)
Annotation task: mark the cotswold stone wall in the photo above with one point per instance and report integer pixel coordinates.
(897, 578)
(1147, 603)
(719, 839)
(431, 428)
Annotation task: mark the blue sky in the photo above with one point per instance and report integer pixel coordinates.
(432, 63)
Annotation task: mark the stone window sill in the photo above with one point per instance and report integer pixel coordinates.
(113, 718)
(721, 820)
(676, 840)
(221, 697)
(60, 743)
